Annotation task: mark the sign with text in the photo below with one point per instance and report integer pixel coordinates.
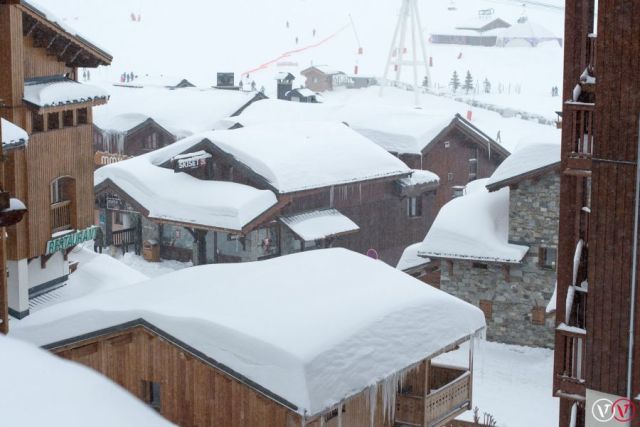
(69, 240)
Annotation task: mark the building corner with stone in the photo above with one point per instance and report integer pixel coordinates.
(497, 246)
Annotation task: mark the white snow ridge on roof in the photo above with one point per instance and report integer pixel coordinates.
(474, 226)
(410, 258)
(12, 134)
(182, 198)
(306, 155)
(40, 389)
(526, 159)
(61, 92)
(277, 323)
(319, 224)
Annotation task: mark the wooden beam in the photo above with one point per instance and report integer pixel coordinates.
(44, 259)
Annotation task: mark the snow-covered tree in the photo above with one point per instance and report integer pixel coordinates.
(468, 83)
(455, 82)
(487, 86)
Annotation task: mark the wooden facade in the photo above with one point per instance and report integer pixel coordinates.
(59, 154)
(143, 138)
(597, 211)
(191, 389)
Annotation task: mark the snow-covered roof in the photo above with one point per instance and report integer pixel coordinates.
(319, 224)
(182, 112)
(124, 122)
(410, 258)
(61, 92)
(474, 226)
(277, 323)
(12, 134)
(420, 177)
(40, 389)
(524, 161)
(307, 93)
(394, 128)
(527, 30)
(325, 69)
(298, 156)
(182, 198)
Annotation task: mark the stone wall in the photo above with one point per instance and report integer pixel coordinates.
(533, 217)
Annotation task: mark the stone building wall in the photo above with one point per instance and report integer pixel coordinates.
(533, 221)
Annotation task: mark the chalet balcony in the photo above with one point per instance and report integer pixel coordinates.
(580, 119)
(448, 395)
(61, 217)
(571, 344)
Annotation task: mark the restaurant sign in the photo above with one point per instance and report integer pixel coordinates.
(69, 240)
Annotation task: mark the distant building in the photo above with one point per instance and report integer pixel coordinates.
(497, 246)
(303, 95)
(285, 84)
(321, 78)
(53, 174)
(482, 31)
(251, 344)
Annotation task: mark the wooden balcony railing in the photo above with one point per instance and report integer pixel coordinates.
(448, 395)
(571, 343)
(448, 400)
(580, 117)
(125, 238)
(61, 216)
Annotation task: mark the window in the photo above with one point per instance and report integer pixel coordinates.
(537, 316)
(117, 218)
(487, 308)
(458, 191)
(480, 265)
(333, 414)
(450, 176)
(414, 207)
(57, 191)
(547, 257)
(83, 116)
(67, 118)
(38, 122)
(151, 141)
(53, 121)
(447, 144)
(473, 169)
(152, 392)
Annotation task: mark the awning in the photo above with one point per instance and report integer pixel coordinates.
(319, 224)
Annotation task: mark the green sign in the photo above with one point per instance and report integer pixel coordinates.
(69, 240)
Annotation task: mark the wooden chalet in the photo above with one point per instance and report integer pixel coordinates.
(370, 207)
(458, 154)
(321, 78)
(303, 95)
(597, 335)
(193, 345)
(53, 174)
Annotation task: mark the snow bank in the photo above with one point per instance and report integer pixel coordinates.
(474, 226)
(277, 322)
(298, 156)
(40, 389)
(319, 224)
(524, 160)
(410, 258)
(182, 198)
(183, 112)
(61, 92)
(12, 134)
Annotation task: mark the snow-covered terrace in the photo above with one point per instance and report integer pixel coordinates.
(40, 389)
(181, 198)
(297, 156)
(183, 112)
(474, 226)
(268, 321)
(12, 135)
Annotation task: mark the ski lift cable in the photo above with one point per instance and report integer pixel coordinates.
(355, 31)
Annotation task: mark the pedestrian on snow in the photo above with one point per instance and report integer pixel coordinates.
(296, 40)
(287, 24)
(88, 75)
(499, 137)
(314, 32)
